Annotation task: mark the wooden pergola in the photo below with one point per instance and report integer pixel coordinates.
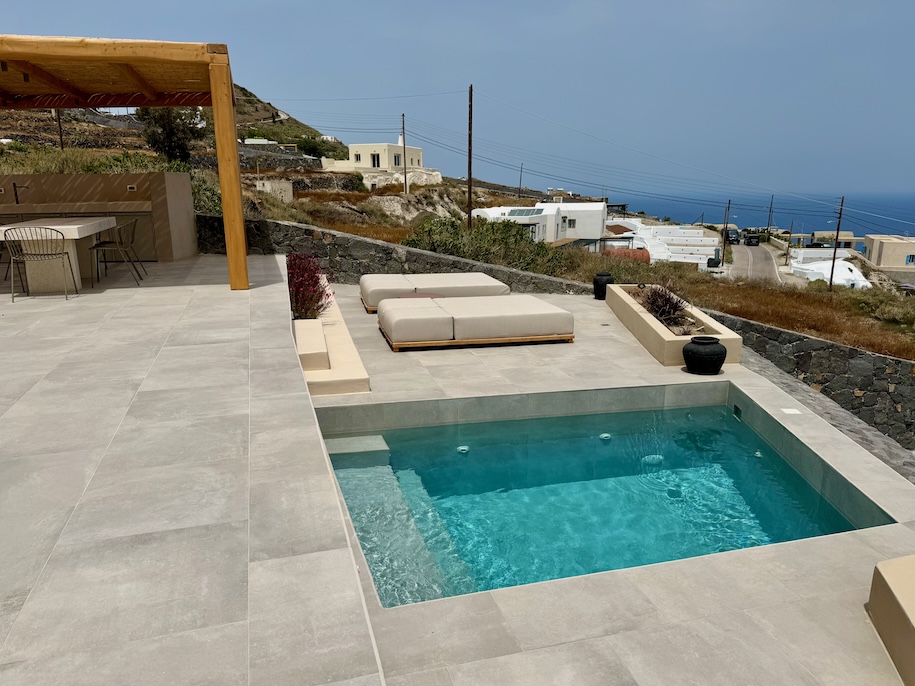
(41, 72)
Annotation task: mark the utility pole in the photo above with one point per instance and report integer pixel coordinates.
(788, 246)
(60, 128)
(769, 221)
(520, 176)
(724, 231)
(403, 138)
(469, 156)
(835, 243)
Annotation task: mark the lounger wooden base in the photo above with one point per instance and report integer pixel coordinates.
(368, 308)
(554, 338)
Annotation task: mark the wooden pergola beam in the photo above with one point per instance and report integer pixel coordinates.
(48, 79)
(38, 102)
(40, 48)
(136, 78)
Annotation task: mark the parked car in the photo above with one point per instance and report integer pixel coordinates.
(751, 239)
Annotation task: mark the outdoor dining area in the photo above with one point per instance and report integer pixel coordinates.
(52, 254)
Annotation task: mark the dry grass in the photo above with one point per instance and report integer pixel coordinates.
(391, 234)
(832, 316)
(333, 196)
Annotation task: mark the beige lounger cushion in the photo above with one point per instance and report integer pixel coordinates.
(480, 318)
(414, 319)
(377, 287)
(458, 284)
(506, 316)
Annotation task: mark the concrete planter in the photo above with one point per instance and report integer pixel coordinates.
(665, 346)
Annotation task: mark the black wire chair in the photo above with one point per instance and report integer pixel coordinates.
(37, 244)
(123, 246)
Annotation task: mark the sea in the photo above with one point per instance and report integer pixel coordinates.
(862, 213)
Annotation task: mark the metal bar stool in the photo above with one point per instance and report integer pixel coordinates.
(37, 244)
(122, 245)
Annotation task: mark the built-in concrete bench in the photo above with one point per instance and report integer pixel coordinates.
(489, 320)
(892, 610)
(377, 287)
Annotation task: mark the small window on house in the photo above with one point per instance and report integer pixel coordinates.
(376, 160)
(571, 223)
(411, 161)
(910, 259)
(565, 222)
(358, 157)
(396, 160)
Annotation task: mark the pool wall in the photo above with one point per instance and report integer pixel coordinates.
(856, 507)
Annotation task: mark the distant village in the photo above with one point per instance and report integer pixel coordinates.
(598, 225)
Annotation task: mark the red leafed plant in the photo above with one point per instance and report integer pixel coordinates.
(308, 293)
(629, 254)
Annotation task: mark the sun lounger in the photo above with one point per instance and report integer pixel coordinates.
(488, 320)
(376, 287)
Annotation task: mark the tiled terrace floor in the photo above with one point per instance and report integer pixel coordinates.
(167, 515)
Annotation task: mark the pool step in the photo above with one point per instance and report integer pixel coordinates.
(389, 535)
(438, 539)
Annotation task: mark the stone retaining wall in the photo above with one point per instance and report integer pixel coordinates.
(879, 390)
(346, 257)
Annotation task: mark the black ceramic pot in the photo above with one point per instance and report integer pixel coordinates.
(704, 355)
(600, 285)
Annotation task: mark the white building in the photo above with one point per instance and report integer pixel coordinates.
(665, 243)
(844, 273)
(553, 222)
(382, 164)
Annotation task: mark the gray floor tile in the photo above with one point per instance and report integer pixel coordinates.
(722, 650)
(272, 382)
(126, 502)
(306, 621)
(832, 637)
(217, 364)
(123, 589)
(215, 656)
(190, 403)
(893, 540)
(37, 496)
(293, 513)
(708, 585)
(817, 565)
(573, 609)
(435, 677)
(585, 663)
(441, 633)
(143, 443)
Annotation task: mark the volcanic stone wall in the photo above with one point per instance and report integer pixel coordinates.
(346, 257)
(878, 389)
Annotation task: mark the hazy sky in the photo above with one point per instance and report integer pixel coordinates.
(701, 98)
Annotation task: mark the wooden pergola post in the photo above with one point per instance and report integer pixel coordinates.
(233, 216)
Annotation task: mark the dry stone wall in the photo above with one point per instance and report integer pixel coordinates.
(346, 257)
(878, 389)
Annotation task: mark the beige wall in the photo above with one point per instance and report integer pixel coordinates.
(160, 201)
(889, 251)
(386, 153)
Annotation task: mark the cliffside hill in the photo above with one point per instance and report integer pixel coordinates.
(92, 129)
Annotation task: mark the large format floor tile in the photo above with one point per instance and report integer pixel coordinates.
(121, 589)
(307, 621)
(215, 656)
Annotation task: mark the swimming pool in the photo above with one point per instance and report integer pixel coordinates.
(447, 510)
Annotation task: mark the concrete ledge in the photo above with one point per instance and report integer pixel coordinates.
(892, 610)
(346, 373)
(310, 344)
(665, 346)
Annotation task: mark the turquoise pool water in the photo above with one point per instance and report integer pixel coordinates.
(447, 510)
